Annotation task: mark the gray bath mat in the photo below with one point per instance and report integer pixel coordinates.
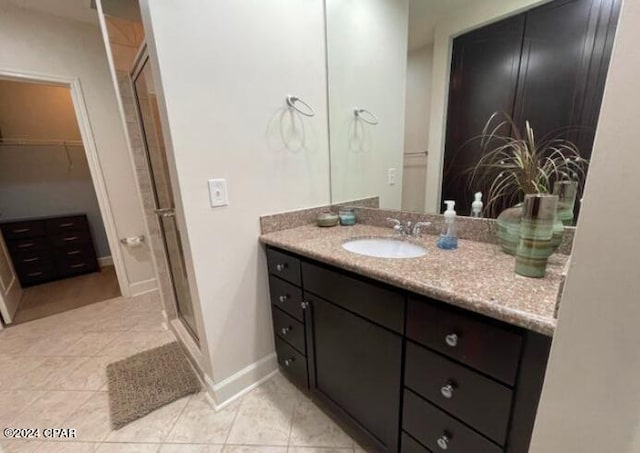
(147, 381)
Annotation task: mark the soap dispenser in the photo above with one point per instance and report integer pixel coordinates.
(476, 206)
(448, 238)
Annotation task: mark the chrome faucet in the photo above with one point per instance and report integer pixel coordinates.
(407, 229)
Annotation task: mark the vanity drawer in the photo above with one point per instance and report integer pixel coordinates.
(481, 344)
(287, 297)
(293, 363)
(26, 229)
(372, 301)
(66, 224)
(410, 445)
(480, 402)
(438, 431)
(289, 329)
(284, 266)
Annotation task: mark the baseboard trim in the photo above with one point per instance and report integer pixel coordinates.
(143, 287)
(228, 390)
(104, 261)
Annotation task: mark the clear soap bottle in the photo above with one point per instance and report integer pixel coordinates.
(448, 239)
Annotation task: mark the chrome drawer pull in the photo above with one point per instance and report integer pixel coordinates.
(451, 340)
(443, 442)
(64, 225)
(283, 298)
(73, 252)
(24, 246)
(21, 230)
(304, 305)
(285, 330)
(34, 274)
(30, 260)
(70, 238)
(281, 267)
(76, 266)
(447, 390)
(288, 362)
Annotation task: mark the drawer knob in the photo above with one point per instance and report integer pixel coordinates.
(447, 390)
(283, 298)
(304, 305)
(281, 267)
(443, 442)
(288, 362)
(451, 340)
(285, 330)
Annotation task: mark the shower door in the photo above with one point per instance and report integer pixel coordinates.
(147, 104)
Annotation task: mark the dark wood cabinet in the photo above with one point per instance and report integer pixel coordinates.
(384, 363)
(547, 65)
(51, 248)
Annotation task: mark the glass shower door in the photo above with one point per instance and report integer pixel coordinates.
(161, 184)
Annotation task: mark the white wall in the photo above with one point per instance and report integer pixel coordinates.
(367, 61)
(37, 43)
(460, 21)
(226, 116)
(37, 180)
(591, 397)
(416, 128)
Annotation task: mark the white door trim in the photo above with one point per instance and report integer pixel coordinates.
(95, 169)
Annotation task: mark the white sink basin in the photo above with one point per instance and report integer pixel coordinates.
(384, 248)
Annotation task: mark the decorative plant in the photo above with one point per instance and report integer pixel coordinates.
(514, 165)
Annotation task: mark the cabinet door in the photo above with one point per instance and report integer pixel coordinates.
(484, 76)
(357, 368)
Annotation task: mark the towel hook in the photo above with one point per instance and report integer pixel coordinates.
(307, 111)
(366, 116)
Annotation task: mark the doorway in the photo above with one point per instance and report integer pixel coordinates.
(55, 253)
(164, 205)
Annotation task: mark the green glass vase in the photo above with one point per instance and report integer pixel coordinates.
(536, 233)
(566, 192)
(508, 233)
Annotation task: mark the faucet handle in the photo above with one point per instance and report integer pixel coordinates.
(417, 228)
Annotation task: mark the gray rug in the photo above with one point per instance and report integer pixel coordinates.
(147, 381)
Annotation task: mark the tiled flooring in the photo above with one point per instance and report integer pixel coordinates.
(52, 374)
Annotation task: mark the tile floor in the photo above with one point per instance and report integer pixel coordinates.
(52, 374)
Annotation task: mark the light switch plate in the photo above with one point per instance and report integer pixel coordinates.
(391, 177)
(218, 192)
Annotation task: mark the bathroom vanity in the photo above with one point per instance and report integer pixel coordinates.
(408, 362)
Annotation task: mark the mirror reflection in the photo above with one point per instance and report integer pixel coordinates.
(433, 100)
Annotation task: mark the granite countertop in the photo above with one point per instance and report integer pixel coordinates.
(477, 276)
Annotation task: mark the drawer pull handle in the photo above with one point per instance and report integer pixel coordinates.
(65, 225)
(24, 246)
(289, 362)
(443, 442)
(22, 230)
(447, 390)
(73, 252)
(304, 305)
(283, 298)
(70, 238)
(281, 267)
(76, 266)
(285, 330)
(30, 260)
(34, 274)
(451, 340)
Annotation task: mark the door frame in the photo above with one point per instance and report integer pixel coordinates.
(91, 151)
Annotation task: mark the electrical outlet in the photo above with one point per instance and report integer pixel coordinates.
(218, 192)
(391, 177)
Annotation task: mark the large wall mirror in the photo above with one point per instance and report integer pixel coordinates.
(413, 85)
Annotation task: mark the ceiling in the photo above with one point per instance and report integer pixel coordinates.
(425, 14)
(79, 10)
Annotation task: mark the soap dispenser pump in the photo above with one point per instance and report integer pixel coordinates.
(448, 238)
(476, 206)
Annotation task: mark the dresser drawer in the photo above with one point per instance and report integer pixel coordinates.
(410, 445)
(440, 432)
(370, 300)
(289, 329)
(76, 263)
(71, 238)
(478, 401)
(284, 265)
(21, 230)
(63, 225)
(287, 297)
(36, 272)
(292, 363)
(20, 247)
(481, 344)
